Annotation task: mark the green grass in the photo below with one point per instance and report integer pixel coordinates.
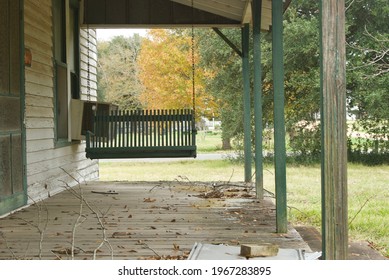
(368, 189)
(208, 141)
(209, 171)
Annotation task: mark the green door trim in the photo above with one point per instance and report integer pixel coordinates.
(23, 103)
(18, 200)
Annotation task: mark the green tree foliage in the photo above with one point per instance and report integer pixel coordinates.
(367, 76)
(224, 79)
(368, 57)
(302, 77)
(368, 79)
(302, 74)
(118, 71)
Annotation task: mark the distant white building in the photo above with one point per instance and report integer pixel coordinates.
(206, 124)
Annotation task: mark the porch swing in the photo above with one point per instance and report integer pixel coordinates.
(143, 133)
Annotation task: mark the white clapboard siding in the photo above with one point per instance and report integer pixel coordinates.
(39, 123)
(32, 112)
(41, 156)
(40, 145)
(39, 133)
(88, 64)
(63, 162)
(50, 167)
(38, 90)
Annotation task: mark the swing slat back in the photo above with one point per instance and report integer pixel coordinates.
(142, 134)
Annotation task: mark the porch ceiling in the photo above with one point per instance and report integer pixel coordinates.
(172, 13)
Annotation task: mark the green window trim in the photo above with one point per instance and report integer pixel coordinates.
(66, 61)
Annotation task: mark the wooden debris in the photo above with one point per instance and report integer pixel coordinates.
(260, 250)
(107, 192)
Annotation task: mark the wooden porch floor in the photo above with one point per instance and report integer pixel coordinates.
(141, 221)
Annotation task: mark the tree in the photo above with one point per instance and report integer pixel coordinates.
(167, 75)
(224, 79)
(368, 57)
(118, 72)
(367, 76)
(302, 72)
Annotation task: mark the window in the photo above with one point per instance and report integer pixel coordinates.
(66, 62)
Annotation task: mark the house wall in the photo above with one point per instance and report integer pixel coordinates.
(48, 166)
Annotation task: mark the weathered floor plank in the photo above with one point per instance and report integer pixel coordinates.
(141, 221)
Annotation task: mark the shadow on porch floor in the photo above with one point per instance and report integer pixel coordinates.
(139, 220)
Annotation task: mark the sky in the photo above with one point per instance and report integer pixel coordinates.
(108, 34)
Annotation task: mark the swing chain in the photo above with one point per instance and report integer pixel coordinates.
(193, 64)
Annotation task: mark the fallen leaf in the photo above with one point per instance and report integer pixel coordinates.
(120, 234)
(149, 200)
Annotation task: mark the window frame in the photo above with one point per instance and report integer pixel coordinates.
(65, 55)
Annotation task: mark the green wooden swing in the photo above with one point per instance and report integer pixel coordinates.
(143, 133)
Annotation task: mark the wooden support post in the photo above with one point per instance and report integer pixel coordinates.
(334, 129)
(247, 102)
(258, 114)
(279, 116)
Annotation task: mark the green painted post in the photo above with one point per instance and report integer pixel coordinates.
(257, 14)
(279, 116)
(23, 101)
(247, 102)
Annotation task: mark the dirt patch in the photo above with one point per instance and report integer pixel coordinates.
(357, 250)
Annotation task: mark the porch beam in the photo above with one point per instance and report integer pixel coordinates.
(228, 41)
(279, 116)
(258, 114)
(334, 129)
(151, 14)
(247, 102)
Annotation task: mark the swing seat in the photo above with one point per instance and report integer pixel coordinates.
(142, 134)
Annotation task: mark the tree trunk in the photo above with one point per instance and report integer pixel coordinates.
(226, 144)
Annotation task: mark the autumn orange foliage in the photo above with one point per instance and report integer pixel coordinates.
(166, 73)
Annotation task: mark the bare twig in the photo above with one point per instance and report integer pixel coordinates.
(298, 210)
(351, 3)
(269, 171)
(96, 211)
(232, 174)
(41, 229)
(360, 210)
(99, 216)
(80, 219)
(146, 246)
(271, 194)
(7, 245)
(58, 257)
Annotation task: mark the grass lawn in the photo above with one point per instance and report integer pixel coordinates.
(368, 190)
(208, 141)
